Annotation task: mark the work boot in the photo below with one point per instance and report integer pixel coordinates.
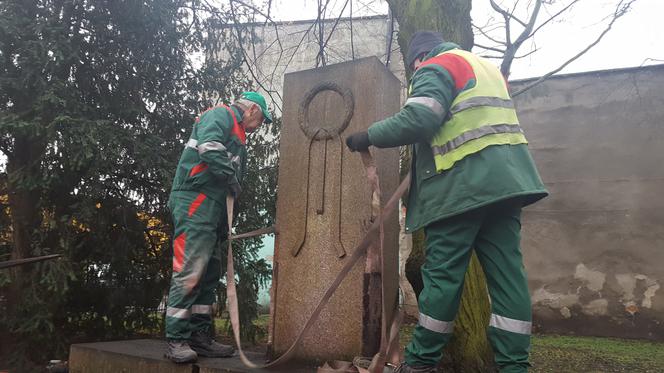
(405, 368)
(178, 351)
(202, 342)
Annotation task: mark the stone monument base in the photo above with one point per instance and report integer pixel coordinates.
(147, 356)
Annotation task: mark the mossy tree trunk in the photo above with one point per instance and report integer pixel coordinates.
(469, 350)
(450, 17)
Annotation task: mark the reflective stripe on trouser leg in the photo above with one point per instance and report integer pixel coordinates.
(208, 285)
(498, 249)
(178, 313)
(448, 252)
(201, 239)
(510, 339)
(434, 325)
(510, 325)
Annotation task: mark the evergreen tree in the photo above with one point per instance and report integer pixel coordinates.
(96, 101)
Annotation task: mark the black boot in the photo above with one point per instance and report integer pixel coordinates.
(202, 342)
(178, 351)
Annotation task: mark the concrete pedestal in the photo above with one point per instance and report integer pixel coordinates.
(323, 205)
(147, 356)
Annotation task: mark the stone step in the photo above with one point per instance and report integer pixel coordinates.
(147, 356)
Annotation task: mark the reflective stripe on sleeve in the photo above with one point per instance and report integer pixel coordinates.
(475, 134)
(438, 326)
(204, 309)
(210, 145)
(178, 313)
(482, 101)
(510, 325)
(431, 103)
(192, 143)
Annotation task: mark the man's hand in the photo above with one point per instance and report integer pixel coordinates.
(235, 189)
(358, 142)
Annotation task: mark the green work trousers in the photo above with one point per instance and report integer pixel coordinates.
(494, 232)
(200, 226)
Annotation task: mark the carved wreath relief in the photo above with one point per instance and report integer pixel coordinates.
(328, 134)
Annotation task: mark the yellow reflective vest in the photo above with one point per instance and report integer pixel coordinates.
(480, 116)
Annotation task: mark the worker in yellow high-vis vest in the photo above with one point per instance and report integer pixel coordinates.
(471, 176)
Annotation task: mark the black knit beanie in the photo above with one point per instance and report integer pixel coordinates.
(421, 43)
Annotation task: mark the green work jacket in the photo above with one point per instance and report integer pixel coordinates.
(491, 175)
(215, 155)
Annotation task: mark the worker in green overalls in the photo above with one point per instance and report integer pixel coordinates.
(212, 165)
(471, 175)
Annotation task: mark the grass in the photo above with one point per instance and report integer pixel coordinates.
(552, 353)
(560, 354)
(225, 335)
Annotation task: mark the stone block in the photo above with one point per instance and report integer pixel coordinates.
(323, 205)
(147, 356)
(140, 355)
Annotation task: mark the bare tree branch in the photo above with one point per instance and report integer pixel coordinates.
(255, 9)
(320, 58)
(527, 54)
(650, 60)
(255, 77)
(492, 57)
(388, 46)
(352, 41)
(506, 16)
(490, 48)
(514, 17)
(299, 44)
(498, 9)
(622, 8)
(511, 49)
(336, 22)
(486, 35)
(563, 10)
(269, 9)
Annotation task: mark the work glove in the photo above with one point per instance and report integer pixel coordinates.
(358, 142)
(234, 188)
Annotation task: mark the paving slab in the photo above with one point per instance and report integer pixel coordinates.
(147, 356)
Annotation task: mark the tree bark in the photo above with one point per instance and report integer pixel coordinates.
(23, 206)
(469, 350)
(450, 17)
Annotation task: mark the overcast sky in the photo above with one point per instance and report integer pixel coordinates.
(633, 40)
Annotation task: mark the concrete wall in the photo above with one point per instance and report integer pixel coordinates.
(594, 249)
(286, 47)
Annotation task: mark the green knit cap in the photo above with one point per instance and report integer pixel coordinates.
(259, 100)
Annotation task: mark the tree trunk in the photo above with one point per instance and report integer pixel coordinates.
(469, 350)
(450, 17)
(23, 206)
